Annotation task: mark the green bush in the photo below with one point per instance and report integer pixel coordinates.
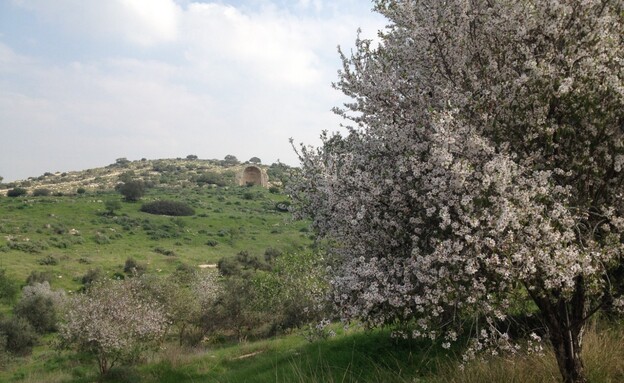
(32, 247)
(132, 190)
(39, 311)
(166, 207)
(283, 206)
(39, 277)
(111, 205)
(211, 178)
(132, 267)
(17, 192)
(41, 192)
(8, 288)
(48, 260)
(168, 253)
(19, 335)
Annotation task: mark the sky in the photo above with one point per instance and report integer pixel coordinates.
(84, 82)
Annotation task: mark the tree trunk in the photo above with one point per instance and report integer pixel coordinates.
(567, 345)
(565, 320)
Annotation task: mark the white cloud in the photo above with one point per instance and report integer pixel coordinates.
(143, 22)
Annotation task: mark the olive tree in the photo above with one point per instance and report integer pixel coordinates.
(132, 190)
(114, 321)
(482, 167)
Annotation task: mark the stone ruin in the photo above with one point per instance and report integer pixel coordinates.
(253, 175)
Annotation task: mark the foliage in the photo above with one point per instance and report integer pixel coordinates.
(211, 178)
(133, 268)
(132, 190)
(41, 192)
(8, 288)
(230, 160)
(166, 207)
(40, 306)
(484, 167)
(114, 321)
(191, 157)
(255, 160)
(18, 335)
(38, 277)
(111, 205)
(17, 192)
(281, 172)
(187, 294)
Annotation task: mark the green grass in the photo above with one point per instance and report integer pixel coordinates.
(76, 232)
(355, 356)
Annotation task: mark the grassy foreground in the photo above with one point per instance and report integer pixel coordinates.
(352, 356)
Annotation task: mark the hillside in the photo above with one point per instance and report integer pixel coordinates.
(171, 172)
(69, 232)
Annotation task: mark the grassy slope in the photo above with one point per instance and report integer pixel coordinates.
(356, 356)
(353, 357)
(222, 215)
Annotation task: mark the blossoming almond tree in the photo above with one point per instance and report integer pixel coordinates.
(113, 321)
(483, 166)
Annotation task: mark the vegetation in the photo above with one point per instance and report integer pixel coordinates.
(132, 190)
(482, 175)
(114, 321)
(17, 192)
(166, 207)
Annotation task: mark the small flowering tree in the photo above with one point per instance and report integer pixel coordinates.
(114, 321)
(483, 167)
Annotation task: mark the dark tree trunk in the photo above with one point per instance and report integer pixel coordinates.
(565, 320)
(567, 345)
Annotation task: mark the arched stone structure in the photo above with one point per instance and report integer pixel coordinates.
(253, 175)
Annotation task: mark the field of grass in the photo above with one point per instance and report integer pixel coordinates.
(352, 356)
(68, 235)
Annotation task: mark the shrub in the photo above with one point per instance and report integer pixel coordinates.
(132, 190)
(111, 205)
(115, 321)
(48, 260)
(19, 335)
(212, 243)
(39, 306)
(168, 253)
(283, 206)
(41, 192)
(211, 178)
(32, 247)
(91, 276)
(165, 207)
(81, 191)
(17, 192)
(39, 277)
(8, 288)
(271, 253)
(132, 267)
(249, 195)
(101, 239)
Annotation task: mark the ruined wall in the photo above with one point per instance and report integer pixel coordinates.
(255, 176)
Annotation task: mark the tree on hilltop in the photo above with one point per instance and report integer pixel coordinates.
(483, 169)
(230, 160)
